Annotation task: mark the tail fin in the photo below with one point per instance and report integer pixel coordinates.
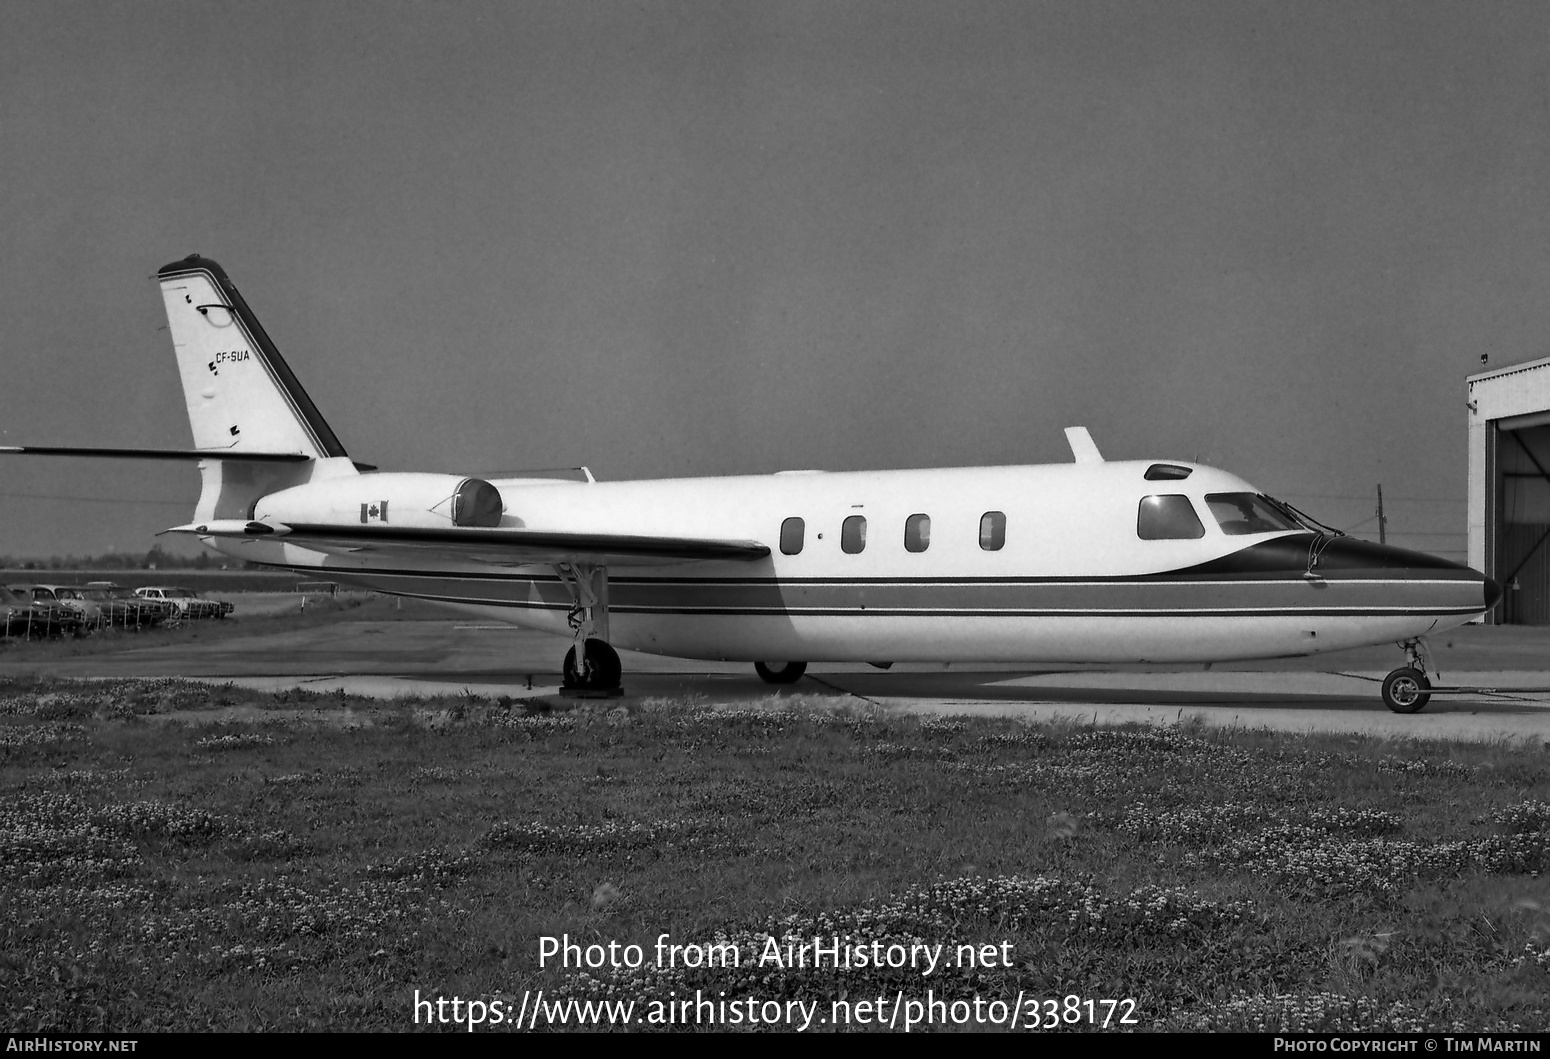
(255, 429)
(241, 394)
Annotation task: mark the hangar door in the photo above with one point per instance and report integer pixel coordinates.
(1522, 523)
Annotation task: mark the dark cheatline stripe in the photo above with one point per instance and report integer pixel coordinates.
(1021, 598)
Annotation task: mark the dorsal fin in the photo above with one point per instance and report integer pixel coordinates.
(1083, 449)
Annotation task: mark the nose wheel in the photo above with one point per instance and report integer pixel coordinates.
(1406, 690)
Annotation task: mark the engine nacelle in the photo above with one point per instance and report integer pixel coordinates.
(422, 501)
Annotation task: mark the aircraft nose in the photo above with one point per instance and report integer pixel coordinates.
(1344, 555)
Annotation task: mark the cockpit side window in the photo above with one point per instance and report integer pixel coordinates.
(1239, 513)
(1168, 517)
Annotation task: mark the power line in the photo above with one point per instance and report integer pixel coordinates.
(1368, 497)
(98, 499)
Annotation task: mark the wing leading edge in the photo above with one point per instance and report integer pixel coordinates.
(509, 547)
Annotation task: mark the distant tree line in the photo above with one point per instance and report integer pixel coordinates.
(155, 559)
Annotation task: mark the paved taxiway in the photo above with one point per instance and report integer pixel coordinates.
(384, 652)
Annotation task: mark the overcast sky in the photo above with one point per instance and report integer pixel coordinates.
(669, 239)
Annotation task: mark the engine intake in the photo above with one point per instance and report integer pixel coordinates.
(477, 503)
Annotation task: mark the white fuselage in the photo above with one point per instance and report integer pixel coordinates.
(1071, 581)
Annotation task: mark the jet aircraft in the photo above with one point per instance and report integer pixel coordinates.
(1121, 561)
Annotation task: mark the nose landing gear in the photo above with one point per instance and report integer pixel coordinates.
(1407, 689)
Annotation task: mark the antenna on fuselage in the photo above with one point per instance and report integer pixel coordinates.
(1083, 448)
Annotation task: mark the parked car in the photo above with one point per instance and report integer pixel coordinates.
(190, 604)
(29, 618)
(71, 598)
(124, 608)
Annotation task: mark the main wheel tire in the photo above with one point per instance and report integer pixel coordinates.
(603, 668)
(780, 672)
(1406, 690)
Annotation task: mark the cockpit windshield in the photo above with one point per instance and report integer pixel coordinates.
(1239, 513)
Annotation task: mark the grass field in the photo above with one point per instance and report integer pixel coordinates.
(318, 862)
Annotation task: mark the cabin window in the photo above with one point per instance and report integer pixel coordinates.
(791, 532)
(992, 530)
(1239, 513)
(853, 534)
(1168, 517)
(917, 533)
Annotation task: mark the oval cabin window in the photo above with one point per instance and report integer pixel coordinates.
(791, 533)
(993, 530)
(853, 535)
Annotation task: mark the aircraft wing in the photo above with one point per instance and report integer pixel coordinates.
(506, 547)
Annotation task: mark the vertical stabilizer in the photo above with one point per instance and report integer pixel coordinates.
(240, 393)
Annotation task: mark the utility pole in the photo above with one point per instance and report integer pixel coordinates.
(1383, 522)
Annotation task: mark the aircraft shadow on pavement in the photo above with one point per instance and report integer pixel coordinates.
(991, 687)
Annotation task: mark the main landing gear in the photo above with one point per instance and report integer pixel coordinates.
(591, 666)
(598, 670)
(780, 672)
(1407, 689)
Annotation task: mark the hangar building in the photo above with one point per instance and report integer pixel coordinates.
(1509, 487)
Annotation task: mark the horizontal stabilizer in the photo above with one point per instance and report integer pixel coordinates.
(155, 454)
(520, 547)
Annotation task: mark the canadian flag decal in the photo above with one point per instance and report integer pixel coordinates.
(374, 512)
